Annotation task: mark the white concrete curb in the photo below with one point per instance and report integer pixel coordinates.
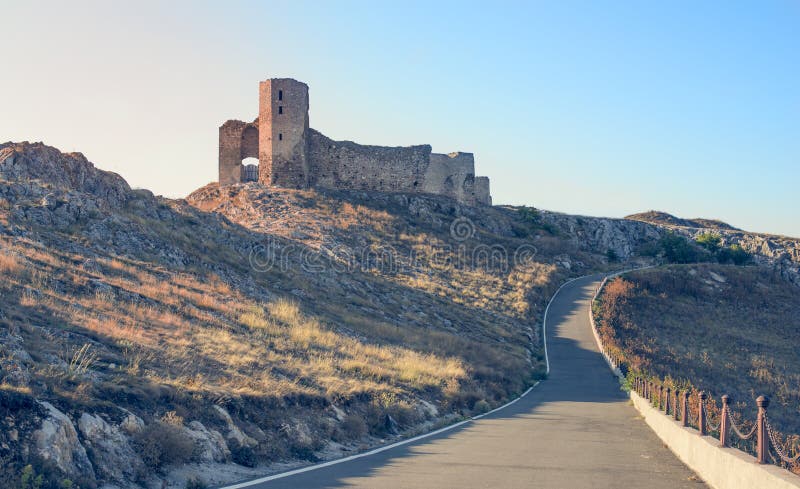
(720, 468)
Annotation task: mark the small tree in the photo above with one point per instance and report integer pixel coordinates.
(739, 256)
(30, 480)
(709, 241)
(677, 249)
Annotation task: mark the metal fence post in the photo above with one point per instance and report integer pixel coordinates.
(762, 444)
(701, 413)
(723, 422)
(685, 408)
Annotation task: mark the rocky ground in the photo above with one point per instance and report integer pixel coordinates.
(243, 330)
(779, 253)
(248, 329)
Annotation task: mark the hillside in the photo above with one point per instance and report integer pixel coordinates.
(144, 339)
(721, 329)
(663, 218)
(778, 253)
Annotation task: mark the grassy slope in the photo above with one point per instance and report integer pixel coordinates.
(155, 308)
(723, 329)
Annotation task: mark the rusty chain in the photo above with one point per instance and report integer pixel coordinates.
(773, 438)
(739, 432)
(710, 425)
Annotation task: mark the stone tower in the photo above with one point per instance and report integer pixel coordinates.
(292, 155)
(282, 131)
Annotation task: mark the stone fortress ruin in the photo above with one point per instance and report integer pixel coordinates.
(291, 154)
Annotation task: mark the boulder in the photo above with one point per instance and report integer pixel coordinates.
(233, 431)
(211, 446)
(111, 453)
(57, 441)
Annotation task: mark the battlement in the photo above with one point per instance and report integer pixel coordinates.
(291, 154)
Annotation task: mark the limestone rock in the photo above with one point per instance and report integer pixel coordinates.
(233, 431)
(36, 161)
(112, 455)
(210, 443)
(132, 424)
(57, 441)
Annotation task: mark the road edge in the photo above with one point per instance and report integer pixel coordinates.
(289, 473)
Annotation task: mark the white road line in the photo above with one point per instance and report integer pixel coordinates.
(375, 451)
(302, 470)
(544, 321)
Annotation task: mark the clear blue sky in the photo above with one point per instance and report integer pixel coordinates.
(600, 108)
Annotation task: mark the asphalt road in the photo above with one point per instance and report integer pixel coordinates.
(575, 430)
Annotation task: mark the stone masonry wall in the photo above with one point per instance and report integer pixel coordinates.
(291, 154)
(482, 194)
(347, 165)
(452, 175)
(237, 140)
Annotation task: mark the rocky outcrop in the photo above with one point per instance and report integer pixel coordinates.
(57, 441)
(234, 432)
(779, 253)
(210, 444)
(625, 237)
(600, 235)
(22, 162)
(658, 217)
(112, 455)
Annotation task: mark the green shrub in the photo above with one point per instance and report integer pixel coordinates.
(530, 215)
(734, 254)
(29, 479)
(709, 241)
(677, 249)
(46, 477)
(532, 219)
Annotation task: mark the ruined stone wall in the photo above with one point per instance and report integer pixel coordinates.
(237, 140)
(283, 117)
(482, 192)
(452, 175)
(292, 155)
(347, 165)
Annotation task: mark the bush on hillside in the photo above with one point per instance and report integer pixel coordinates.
(677, 249)
(709, 241)
(161, 444)
(734, 254)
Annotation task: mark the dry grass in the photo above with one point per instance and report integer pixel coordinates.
(722, 329)
(9, 264)
(283, 344)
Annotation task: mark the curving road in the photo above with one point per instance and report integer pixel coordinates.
(574, 430)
